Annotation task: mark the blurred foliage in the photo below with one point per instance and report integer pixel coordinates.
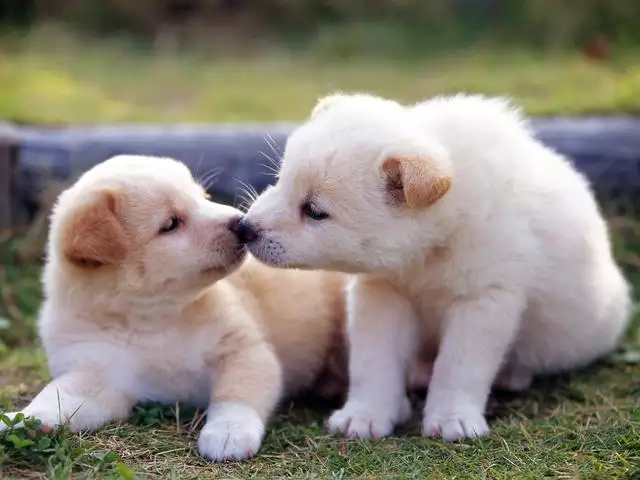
(54, 75)
(547, 23)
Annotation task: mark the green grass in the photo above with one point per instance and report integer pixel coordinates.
(60, 78)
(585, 425)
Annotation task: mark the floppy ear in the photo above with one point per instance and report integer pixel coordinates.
(325, 103)
(415, 179)
(94, 237)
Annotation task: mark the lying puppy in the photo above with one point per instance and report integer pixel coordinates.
(142, 305)
(466, 232)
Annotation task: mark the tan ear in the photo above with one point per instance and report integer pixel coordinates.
(327, 102)
(415, 180)
(94, 237)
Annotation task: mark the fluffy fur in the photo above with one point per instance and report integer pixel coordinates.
(148, 299)
(472, 241)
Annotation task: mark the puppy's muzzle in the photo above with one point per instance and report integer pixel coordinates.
(244, 231)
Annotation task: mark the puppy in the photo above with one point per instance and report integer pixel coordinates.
(148, 299)
(471, 239)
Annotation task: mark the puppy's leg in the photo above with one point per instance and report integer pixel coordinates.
(81, 400)
(247, 387)
(477, 336)
(383, 339)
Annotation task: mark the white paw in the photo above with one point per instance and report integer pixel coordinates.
(232, 432)
(455, 423)
(360, 420)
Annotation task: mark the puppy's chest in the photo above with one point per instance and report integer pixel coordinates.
(169, 366)
(431, 292)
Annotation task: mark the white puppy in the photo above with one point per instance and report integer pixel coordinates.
(148, 299)
(471, 238)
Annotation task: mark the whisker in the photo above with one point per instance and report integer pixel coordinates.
(210, 177)
(200, 179)
(271, 167)
(275, 162)
(198, 165)
(247, 195)
(273, 144)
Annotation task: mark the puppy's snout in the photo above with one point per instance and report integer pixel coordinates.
(234, 224)
(245, 232)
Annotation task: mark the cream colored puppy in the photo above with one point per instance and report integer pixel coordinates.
(142, 304)
(466, 232)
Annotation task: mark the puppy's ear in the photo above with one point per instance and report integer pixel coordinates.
(94, 237)
(415, 179)
(325, 103)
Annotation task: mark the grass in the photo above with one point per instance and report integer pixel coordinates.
(584, 425)
(59, 78)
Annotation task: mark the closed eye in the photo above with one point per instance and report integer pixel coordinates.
(309, 210)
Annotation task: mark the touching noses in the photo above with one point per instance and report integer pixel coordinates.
(244, 231)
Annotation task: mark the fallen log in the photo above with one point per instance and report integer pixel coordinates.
(605, 149)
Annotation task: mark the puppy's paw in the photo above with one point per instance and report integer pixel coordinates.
(358, 420)
(232, 432)
(455, 423)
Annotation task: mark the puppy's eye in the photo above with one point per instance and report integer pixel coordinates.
(309, 210)
(171, 225)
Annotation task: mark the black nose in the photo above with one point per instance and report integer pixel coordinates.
(243, 230)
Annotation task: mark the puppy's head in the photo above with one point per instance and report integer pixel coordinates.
(144, 225)
(357, 190)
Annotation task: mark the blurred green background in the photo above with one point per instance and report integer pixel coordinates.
(222, 60)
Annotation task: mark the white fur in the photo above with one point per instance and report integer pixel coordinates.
(508, 275)
(232, 432)
(135, 314)
(384, 323)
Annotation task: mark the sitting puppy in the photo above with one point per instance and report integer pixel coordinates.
(465, 231)
(142, 304)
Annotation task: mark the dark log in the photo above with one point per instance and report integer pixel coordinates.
(8, 165)
(606, 150)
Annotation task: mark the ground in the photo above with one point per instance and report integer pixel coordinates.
(584, 425)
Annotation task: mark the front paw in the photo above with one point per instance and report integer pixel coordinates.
(366, 420)
(455, 423)
(232, 432)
